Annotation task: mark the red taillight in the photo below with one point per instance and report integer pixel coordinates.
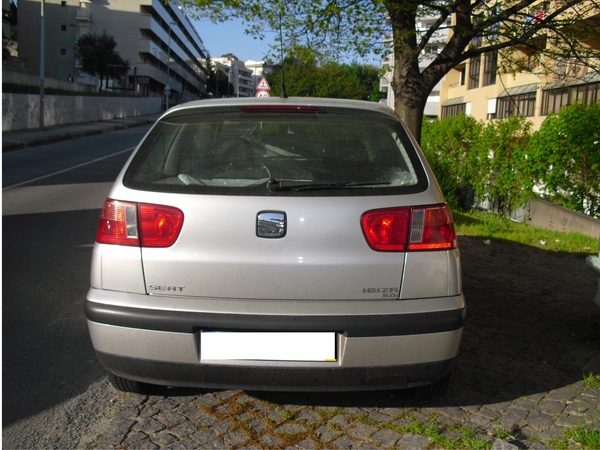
(160, 225)
(118, 224)
(386, 229)
(432, 229)
(124, 223)
(409, 229)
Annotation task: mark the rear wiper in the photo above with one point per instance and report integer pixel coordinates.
(280, 185)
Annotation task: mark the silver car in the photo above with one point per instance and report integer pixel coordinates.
(277, 244)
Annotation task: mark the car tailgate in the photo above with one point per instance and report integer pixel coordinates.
(323, 254)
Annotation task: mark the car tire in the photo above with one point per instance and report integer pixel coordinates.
(433, 390)
(127, 385)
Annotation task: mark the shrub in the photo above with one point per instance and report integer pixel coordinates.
(499, 165)
(448, 144)
(503, 162)
(566, 152)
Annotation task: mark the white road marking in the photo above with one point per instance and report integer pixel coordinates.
(65, 170)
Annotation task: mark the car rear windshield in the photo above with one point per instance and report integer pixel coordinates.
(277, 153)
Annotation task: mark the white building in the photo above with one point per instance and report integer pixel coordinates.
(238, 75)
(259, 69)
(159, 41)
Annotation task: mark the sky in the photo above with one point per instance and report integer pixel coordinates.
(228, 37)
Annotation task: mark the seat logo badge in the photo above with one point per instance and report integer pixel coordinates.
(271, 224)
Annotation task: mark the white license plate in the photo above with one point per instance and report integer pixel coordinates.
(220, 345)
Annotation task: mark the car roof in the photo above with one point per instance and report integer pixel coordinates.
(291, 101)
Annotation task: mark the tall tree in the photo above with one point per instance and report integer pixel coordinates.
(530, 34)
(98, 57)
(305, 77)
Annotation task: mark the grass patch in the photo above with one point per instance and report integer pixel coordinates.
(503, 433)
(287, 415)
(329, 413)
(467, 442)
(592, 381)
(493, 226)
(586, 438)
(366, 420)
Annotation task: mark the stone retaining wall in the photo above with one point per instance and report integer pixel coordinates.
(21, 111)
(546, 215)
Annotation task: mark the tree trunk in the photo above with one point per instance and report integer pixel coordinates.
(411, 85)
(410, 94)
(410, 88)
(409, 107)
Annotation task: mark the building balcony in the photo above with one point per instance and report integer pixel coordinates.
(83, 14)
(154, 72)
(147, 46)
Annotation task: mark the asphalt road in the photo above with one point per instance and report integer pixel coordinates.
(51, 202)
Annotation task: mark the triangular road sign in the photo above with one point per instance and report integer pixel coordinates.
(263, 85)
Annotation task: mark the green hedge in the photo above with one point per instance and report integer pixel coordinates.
(505, 163)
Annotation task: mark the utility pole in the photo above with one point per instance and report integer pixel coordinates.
(42, 51)
(74, 49)
(168, 86)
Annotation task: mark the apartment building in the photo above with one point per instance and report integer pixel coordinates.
(159, 41)
(478, 88)
(237, 73)
(5, 21)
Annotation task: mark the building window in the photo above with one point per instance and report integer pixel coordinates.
(63, 28)
(554, 99)
(63, 51)
(490, 67)
(454, 107)
(516, 105)
(63, 4)
(474, 68)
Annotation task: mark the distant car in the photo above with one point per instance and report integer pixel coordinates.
(277, 244)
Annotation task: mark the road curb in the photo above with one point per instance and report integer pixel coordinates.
(70, 135)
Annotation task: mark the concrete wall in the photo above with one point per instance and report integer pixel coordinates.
(23, 79)
(21, 111)
(553, 217)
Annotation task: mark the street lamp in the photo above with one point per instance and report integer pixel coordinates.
(168, 87)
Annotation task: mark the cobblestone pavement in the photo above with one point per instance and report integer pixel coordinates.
(532, 333)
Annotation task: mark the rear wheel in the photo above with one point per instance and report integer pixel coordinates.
(127, 385)
(434, 390)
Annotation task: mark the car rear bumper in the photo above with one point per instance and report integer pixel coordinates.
(379, 344)
(322, 379)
